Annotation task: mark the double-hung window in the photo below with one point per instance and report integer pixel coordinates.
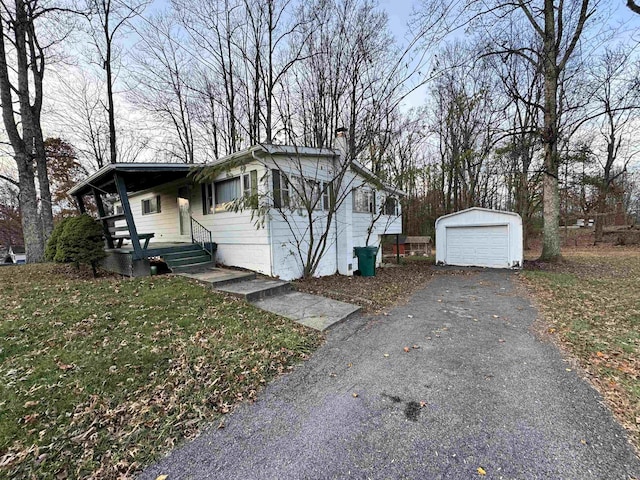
(250, 189)
(225, 193)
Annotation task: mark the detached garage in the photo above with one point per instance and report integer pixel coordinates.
(480, 237)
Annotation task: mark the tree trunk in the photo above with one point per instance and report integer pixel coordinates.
(113, 152)
(599, 226)
(551, 204)
(31, 223)
(22, 145)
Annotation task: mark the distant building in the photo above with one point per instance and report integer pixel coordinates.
(15, 254)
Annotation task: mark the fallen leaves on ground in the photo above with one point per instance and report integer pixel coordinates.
(391, 285)
(101, 376)
(591, 307)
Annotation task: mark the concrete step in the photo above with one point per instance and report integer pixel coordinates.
(313, 311)
(257, 289)
(213, 276)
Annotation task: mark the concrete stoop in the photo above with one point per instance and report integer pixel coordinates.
(213, 276)
(256, 289)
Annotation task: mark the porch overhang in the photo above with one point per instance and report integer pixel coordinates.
(120, 179)
(136, 176)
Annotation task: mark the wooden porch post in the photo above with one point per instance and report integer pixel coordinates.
(80, 203)
(126, 209)
(101, 214)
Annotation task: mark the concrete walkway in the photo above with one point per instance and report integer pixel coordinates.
(274, 296)
(476, 389)
(312, 311)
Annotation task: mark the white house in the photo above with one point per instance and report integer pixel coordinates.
(255, 203)
(480, 237)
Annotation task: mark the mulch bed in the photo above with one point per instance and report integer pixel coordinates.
(391, 285)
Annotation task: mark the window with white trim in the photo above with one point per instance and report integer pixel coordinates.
(207, 199)
(220, 196)
(225, 193)
(250, 189)
(151, 205)
(295, 192)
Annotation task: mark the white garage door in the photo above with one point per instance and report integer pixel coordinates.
(484, 246)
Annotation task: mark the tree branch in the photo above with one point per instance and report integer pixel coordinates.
(634, 7)
(10, 180)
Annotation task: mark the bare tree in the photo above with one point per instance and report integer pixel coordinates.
(631, 4)
(467, 125)
(159, 77)
(107, 19)
(521, 84)
(558, 28)
(82, 113)
(22, 67)
(617, 95)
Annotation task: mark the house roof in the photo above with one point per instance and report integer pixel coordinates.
(289, 150)
(140, 176)
(137, 176)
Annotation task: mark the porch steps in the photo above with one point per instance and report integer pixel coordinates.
(256, 289)
(187, 257)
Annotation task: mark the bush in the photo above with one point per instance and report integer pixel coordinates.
(80, 241)
(52, 244)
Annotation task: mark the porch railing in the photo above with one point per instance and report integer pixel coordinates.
(201, 236)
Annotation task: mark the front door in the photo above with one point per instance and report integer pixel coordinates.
(184, 212)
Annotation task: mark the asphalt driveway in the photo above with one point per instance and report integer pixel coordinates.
(476, 389)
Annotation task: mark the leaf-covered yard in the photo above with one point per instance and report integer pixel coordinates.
(100, 376)
(591, 305)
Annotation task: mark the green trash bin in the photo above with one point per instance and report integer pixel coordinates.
(366, 260)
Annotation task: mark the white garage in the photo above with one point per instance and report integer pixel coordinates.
(480, 237)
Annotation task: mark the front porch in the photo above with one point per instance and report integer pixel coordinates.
(113, 184)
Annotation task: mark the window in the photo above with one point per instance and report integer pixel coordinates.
(250, 189)
(390, 206)
(220, 196)
(207, 198)
(151, 205)
(327, 195)
(295, 192)
(364, 200)
(226, 191)
(280, 189)
(312, 191)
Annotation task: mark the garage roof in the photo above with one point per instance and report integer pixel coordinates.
(481, 209)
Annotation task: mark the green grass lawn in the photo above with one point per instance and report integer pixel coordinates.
(100, 376)
(591, 304)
